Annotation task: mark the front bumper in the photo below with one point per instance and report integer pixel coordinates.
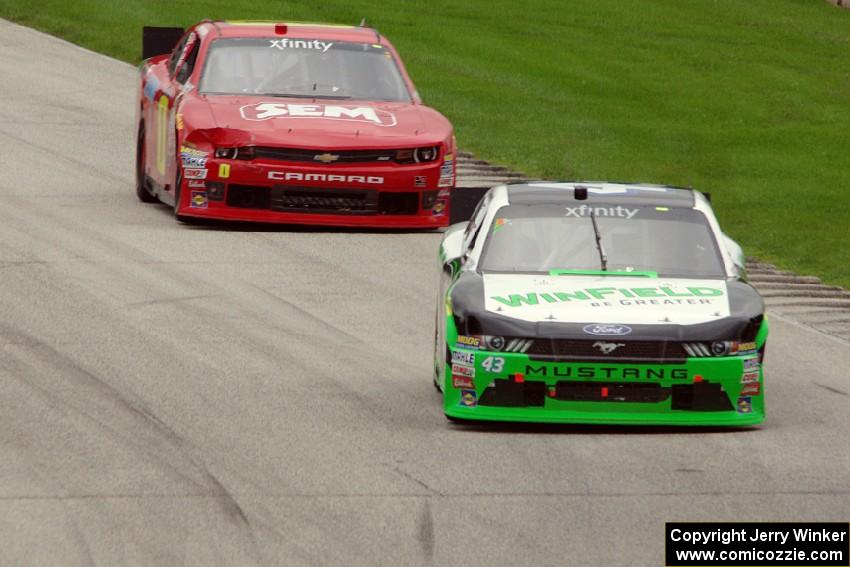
(699, 391)
(391, 196)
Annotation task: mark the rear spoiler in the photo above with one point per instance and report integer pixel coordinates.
(159, 41)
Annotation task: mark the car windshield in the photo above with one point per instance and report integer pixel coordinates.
(305, 68)
(540, 238)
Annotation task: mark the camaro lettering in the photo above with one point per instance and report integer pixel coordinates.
(266, 110)
(298, 176)
(606, 373)
(518, 299)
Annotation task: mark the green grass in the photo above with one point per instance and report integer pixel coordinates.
(749, 100)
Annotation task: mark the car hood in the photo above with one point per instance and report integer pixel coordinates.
(548, 306)
(323, 123)
(607, 299)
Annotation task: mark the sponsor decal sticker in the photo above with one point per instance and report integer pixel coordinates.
(445, 182)
(749, 377)
(466, 341)
(420, 181)
(439, 208)
(745, 404)
(197, 183)
(198, 200)
(151, 86)
(193, 161)
(224, 170)
(607, 329)
(468, 398)
(192, 157)
(751, 389)
(461, 357)
(463, 382)
(195, 173)
(605, 300)
(447, 169)
(462, 370)
(618, 211)
(324, 177)
(287, 43)
(751, 364)
(444, 193)
(188, 152)
(743, 348)
(365, 114)
(592, 294)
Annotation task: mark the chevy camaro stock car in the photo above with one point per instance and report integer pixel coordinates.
(289, 123)
(597, 303)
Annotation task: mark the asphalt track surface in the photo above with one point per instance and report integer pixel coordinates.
(174, 395)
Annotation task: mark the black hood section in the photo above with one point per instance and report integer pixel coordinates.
(467, 296)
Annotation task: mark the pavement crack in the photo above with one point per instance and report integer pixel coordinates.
(167, 300)
(831, 389)
(410, 477)
(425, 530)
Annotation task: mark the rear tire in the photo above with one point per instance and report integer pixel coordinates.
(142, 191)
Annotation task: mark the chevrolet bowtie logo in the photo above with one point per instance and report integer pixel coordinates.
(325, 158)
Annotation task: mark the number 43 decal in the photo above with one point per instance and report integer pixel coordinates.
(494, 364)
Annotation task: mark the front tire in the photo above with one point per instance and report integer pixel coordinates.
(142, 192)
(437, 349)
(178, 182)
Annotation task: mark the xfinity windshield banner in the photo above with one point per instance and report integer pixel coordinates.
(744, 544)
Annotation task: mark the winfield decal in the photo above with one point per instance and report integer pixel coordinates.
(605, 373)
(287, 43)
(664, 295)
(364, 114)
(618, 211)
(319, 177)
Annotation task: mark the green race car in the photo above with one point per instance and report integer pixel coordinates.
(597, 303)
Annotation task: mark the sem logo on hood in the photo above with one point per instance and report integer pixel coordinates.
(367, 114)
(606, 329)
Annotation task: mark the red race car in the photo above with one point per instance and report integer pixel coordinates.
(289, 123)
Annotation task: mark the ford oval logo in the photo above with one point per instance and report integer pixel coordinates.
(606, 329)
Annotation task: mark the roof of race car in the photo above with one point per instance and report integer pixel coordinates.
(256, 28)
(540, 193)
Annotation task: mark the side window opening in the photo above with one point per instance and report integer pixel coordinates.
(175, 55)
(187, 68)
(475, 223)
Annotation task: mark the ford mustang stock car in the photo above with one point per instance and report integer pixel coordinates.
(597, 303)
(289, 123)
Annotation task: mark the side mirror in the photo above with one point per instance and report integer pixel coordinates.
(736, 253)
(451, 248)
